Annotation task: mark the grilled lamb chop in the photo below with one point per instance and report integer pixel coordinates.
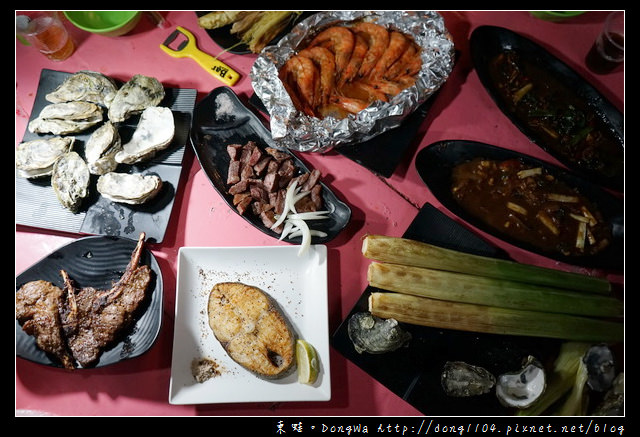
(93, 319)
(37, 304)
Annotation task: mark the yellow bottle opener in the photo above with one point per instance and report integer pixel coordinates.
(189, 49)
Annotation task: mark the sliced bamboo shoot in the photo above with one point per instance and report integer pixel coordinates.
(517, 208)
(546, 220)
(567, 198)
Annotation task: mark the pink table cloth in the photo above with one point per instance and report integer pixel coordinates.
(201, 218)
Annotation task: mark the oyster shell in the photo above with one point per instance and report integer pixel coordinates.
(613, 402)
(139, 93)
(36, 158)
(87, 86)
(66, 118)
(131, 188)
(522, 388)
(375, 335)
(70, 180)
(601, 367)
(101, 148)
(154, 132)
(460, 379)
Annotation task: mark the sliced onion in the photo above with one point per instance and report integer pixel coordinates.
(314, 233)
(288, 227)
(287, 204)
(311, 215)
(306, 235)
(294, 222)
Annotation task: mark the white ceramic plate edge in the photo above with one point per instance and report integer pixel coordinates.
(297, 283)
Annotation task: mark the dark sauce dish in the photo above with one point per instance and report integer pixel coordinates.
(435, 165)
(98, 262)
(215, 127)
(551, 104)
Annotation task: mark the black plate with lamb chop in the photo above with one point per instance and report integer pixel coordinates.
(91, 303)
(270, 188)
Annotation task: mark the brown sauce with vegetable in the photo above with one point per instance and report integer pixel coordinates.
(559, 117)
(530, 205)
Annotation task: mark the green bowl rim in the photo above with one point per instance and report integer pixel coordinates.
(560, 14)
(104, 29)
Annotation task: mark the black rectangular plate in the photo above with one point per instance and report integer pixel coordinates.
(36, 202)
(413, 372)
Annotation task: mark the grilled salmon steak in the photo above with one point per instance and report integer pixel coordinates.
(251, 329)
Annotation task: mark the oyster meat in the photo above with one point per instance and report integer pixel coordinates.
(139, 93)
(86, 86)
(154, 132)
(131, 188)
(101, 148)
(36, 158)
(66, 118)
(375, 335)
(522, 388)
(460, 379)
(70, 180)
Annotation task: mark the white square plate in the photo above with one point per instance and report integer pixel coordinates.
(297, 283)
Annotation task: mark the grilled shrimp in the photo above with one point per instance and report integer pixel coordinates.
(377, 38)
(325, 62)
(398, 44)
(300, 77)
(340, 41)
(408, 64)
(360, 48)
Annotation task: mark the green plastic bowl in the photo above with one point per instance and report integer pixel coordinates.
(107, 23)
(556, 15)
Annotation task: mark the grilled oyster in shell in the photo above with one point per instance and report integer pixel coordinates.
(139, 93)
(36, 158)
(522, 388)
(131, 188)
(460, 379)
(154, 132)
(86, 86)
(375, 335)
(70, 180)
(101, 148)
(66, 118)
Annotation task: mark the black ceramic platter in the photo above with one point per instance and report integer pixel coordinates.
(98, 262)
(413, 372)
(38, 206)
(232, 44)
(213, 129)
(487, 42)
(435, 163)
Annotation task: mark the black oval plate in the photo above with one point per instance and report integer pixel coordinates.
(435, 163)
(210, 135)
(98, 262)
(486, 42)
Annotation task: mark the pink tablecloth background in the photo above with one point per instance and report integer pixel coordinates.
(462, 110)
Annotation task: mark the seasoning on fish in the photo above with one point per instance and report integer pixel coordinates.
(252, 329)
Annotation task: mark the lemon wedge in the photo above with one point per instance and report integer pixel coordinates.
(307, 361)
